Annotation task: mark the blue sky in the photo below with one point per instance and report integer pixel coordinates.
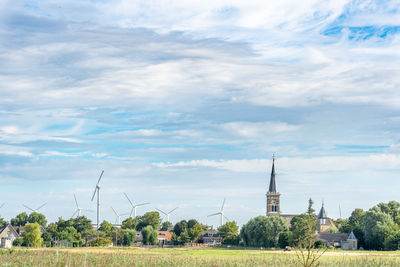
(182, 103)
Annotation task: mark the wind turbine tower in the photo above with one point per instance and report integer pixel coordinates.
(167, 213)
(118, 219)
(221, 213)
(78, 209)
(97, 190)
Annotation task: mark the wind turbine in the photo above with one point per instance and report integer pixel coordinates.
(35, 210)
(118, 219)
(167, 213)
(78, 209)
(134, 206)
(221, 213)
(97, 189)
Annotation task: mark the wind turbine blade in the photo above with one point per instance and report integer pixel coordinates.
(223, 204)
(218, 213)
(76, 202)
(2, 205)
(28, 207)
(129, 200)
(226, 218)
(94, 193)
(130, 215)
(123, 214)
(42, 206)
(74, 213)
(101, 175)
(172, 210)
(142, 204)
(115, 211)
(161, 211)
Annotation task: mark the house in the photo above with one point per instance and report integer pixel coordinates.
(344, 241)
(164, 236)
(210, 237)
(7, 236)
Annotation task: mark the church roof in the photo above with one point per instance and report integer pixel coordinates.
(322, 213)
(272, 182)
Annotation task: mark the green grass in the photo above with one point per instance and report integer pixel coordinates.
(184, 257)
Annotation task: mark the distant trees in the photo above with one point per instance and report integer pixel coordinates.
(2, 223)
(149, 235)
(129, 237)
(166, 225)
(130, 223)
(229, 233)
(263, 231)
(310, 210)
(20, 220)
(39, 218)
(187, 231)
(32, 235)
(151, 218)
(377, 227)
(302, 226)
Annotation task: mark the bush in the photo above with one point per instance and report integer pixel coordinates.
(319, 244)
(149, 235)
(285, 239)
(32, 235)
(129, 237)
(18, 242)
(100, 242)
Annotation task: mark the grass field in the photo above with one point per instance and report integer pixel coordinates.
(183, 257)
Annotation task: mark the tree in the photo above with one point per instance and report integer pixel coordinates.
(82, 224)
(32, 235)
(229, 233)
(107, 228)
(180, 227)
(356, 225)
(302, 226)
(377, 227)
(149, 235)
(310, 210)
(129, 237)
(39, 218)
(149, 218)
(2, 223)
(130, 223)
(20, 220)
(195, 232)
(343, 225)
(166, 225)
(263, 231)
(285, 239)
(392, 208)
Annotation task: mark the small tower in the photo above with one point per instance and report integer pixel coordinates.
(273, 203)
(323, 223)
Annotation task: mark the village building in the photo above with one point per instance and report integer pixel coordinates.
(210, 237)
(7, 236)
(325, 225)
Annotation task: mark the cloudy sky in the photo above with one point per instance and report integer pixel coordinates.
(183, 103)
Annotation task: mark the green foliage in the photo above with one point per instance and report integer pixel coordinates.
(151, 218)
(229, 233)
(263, 231)
(130, 223)
(82, 224)
(117, 236)
(319, 244)
(356, 225)
(377, 227)
(106, 228)
(129, 237)
(285, 239)
(180, 227)
(392, 208)
(184, 237)
(310, 210)
(166, 225)
(194, 230)
(39, 218)
(20, 220)
(100, 242)
(2, 223)
(149, 235)
(32, 235)
(343, 226)
(302, 226)
(18, 242)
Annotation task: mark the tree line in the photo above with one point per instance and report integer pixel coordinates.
(376, 229)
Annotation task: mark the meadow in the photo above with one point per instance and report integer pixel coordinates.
(183, 257)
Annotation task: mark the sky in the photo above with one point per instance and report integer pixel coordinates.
(183, 103)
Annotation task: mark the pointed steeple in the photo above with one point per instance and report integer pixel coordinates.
(272, 182)
(322, 213)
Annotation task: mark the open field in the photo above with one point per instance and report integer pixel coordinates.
(183, 257)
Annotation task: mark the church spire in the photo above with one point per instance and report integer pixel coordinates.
(272, 182)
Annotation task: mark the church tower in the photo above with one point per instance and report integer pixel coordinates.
(273, 203)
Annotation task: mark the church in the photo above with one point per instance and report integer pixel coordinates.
(325, 226)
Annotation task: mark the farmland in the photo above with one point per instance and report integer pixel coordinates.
(183, 257)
